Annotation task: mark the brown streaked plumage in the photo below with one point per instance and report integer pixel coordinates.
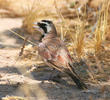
(54, 52)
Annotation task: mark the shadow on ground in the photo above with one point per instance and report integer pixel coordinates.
(19, 31)
(22, 32)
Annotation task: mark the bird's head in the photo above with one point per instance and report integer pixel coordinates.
(45, 27)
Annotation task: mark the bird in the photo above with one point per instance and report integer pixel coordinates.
(54, 52)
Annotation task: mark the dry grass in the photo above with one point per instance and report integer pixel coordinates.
(13, 98)
(37, 12)
(14, 8)
(72, 28)
(101, 28)
(80, 40)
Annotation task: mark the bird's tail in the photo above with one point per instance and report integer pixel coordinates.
(71, 72)
(80, 84)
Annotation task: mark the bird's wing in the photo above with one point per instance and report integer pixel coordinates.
(55, 51)
(48, 53)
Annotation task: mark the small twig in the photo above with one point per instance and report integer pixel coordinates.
(23, 38)
(23, 46)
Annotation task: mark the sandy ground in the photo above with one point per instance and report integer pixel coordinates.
(15, 83)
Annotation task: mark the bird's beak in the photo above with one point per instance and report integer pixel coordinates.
(36, 27)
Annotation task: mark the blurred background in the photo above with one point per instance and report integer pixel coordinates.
(84, 25)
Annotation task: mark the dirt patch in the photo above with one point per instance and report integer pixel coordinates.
(36, 85)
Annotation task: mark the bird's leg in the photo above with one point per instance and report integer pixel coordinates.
(54, 74)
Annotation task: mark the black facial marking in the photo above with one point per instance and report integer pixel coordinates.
(43, 26)
(41, 37)
(50, 23)
(47, 21)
